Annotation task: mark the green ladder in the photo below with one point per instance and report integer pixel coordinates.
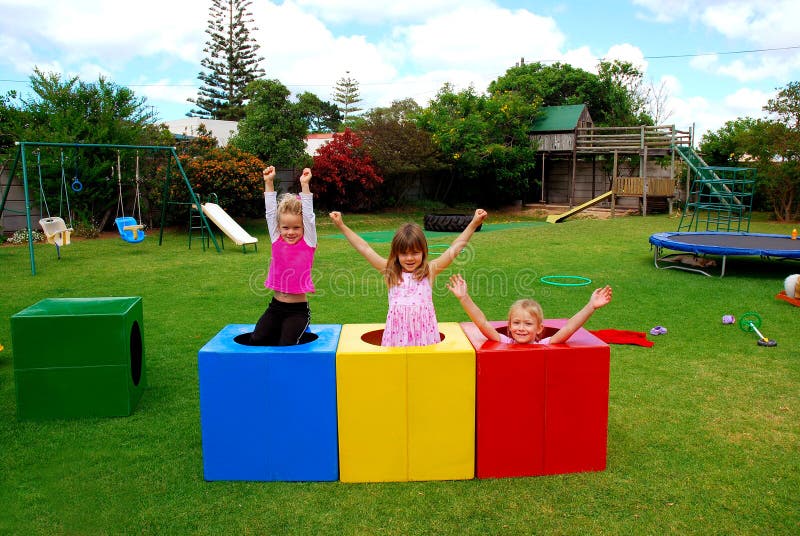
(196, 224)
(722, 203)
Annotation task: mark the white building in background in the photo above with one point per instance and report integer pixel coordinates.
(189, 127)
(315, 141)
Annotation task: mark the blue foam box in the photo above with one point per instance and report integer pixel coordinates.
(268, 413)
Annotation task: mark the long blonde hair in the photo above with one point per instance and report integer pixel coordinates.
(409, 237)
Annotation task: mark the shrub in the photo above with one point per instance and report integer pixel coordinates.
(20, 236)
(232, 174)
(344, 175)
(85, 229)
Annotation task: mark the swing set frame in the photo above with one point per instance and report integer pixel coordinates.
(21, 157)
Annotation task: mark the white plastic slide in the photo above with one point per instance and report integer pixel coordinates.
(227, 225)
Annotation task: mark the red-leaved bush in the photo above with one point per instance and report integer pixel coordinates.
(345, 177)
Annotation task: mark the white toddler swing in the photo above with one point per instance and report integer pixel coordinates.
(54, 227)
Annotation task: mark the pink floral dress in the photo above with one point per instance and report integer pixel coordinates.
(411, 320)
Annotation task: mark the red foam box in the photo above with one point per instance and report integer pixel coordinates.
(540, 409)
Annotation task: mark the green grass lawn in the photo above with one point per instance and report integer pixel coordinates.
(703, 432)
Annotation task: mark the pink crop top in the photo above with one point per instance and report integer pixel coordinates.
(291, 264)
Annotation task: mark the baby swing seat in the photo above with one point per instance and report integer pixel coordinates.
(129, 229)
(56, 231)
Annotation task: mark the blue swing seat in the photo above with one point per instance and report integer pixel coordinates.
(130, 230)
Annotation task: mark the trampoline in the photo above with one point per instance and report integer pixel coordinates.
(722, 244)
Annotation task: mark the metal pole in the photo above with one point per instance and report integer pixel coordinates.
(27, 208)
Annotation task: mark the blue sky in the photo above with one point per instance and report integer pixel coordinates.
(712, 60)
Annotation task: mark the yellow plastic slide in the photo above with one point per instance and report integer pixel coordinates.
(558, 218)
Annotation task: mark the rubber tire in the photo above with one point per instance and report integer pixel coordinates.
(448, 223)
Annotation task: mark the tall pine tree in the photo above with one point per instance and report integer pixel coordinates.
(346, 94)
(231, 63)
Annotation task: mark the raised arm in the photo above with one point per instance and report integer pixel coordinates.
(444, 260)
(305, 181)
(307, 200)
(458, 287)
(360, 245)
(271, 203)
(600, 297)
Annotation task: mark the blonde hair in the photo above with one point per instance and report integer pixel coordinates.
(289, 204)
(408, 238)
(531, 307)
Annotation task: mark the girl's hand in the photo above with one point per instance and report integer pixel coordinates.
(479, 216)
(457, 286)
(601, 297)
(269, 174)
(336, 217)
(305, 178)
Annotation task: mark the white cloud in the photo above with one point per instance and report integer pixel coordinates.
(108, 33)
(747, 102)
(777, 66)
(629, 53)
(709, 115)
(665, 10)
(304, 54)
(487, 39)
(372, 12)
(746, 25)
(581, 58)
(17, 54)
(767, 24)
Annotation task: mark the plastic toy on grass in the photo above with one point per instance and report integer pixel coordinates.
(791, 292)
(751, 322)
(728, 319)
(565, 280)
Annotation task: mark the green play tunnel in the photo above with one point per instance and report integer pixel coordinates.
(78, 357)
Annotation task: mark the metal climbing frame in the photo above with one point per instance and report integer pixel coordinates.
(720, 199)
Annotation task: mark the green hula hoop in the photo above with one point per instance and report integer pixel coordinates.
(556, 280)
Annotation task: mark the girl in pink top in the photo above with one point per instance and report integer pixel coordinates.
(293, 235)
(525, 318)
(411, 320)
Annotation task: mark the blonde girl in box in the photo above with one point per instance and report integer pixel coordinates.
(525, 317)
(411, 320)
(293, 234)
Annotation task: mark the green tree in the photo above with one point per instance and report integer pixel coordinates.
(726, 146)
(485, 140)
(274, 128)
(774, 148)
(786, 106)
(72, 111)
(320, 116)
(347, 95)
(772, 145)
(623, 96)
(231, 62)
(611, 95)
(403, 152)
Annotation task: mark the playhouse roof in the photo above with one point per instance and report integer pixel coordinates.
(558, 118)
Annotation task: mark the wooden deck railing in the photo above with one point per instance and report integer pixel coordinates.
(634, 187)
(629, 139)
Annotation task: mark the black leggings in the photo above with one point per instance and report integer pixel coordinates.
(282, 324)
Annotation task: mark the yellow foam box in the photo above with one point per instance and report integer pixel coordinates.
(405, 413)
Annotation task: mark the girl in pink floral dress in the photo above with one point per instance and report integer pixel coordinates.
(411, 320)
